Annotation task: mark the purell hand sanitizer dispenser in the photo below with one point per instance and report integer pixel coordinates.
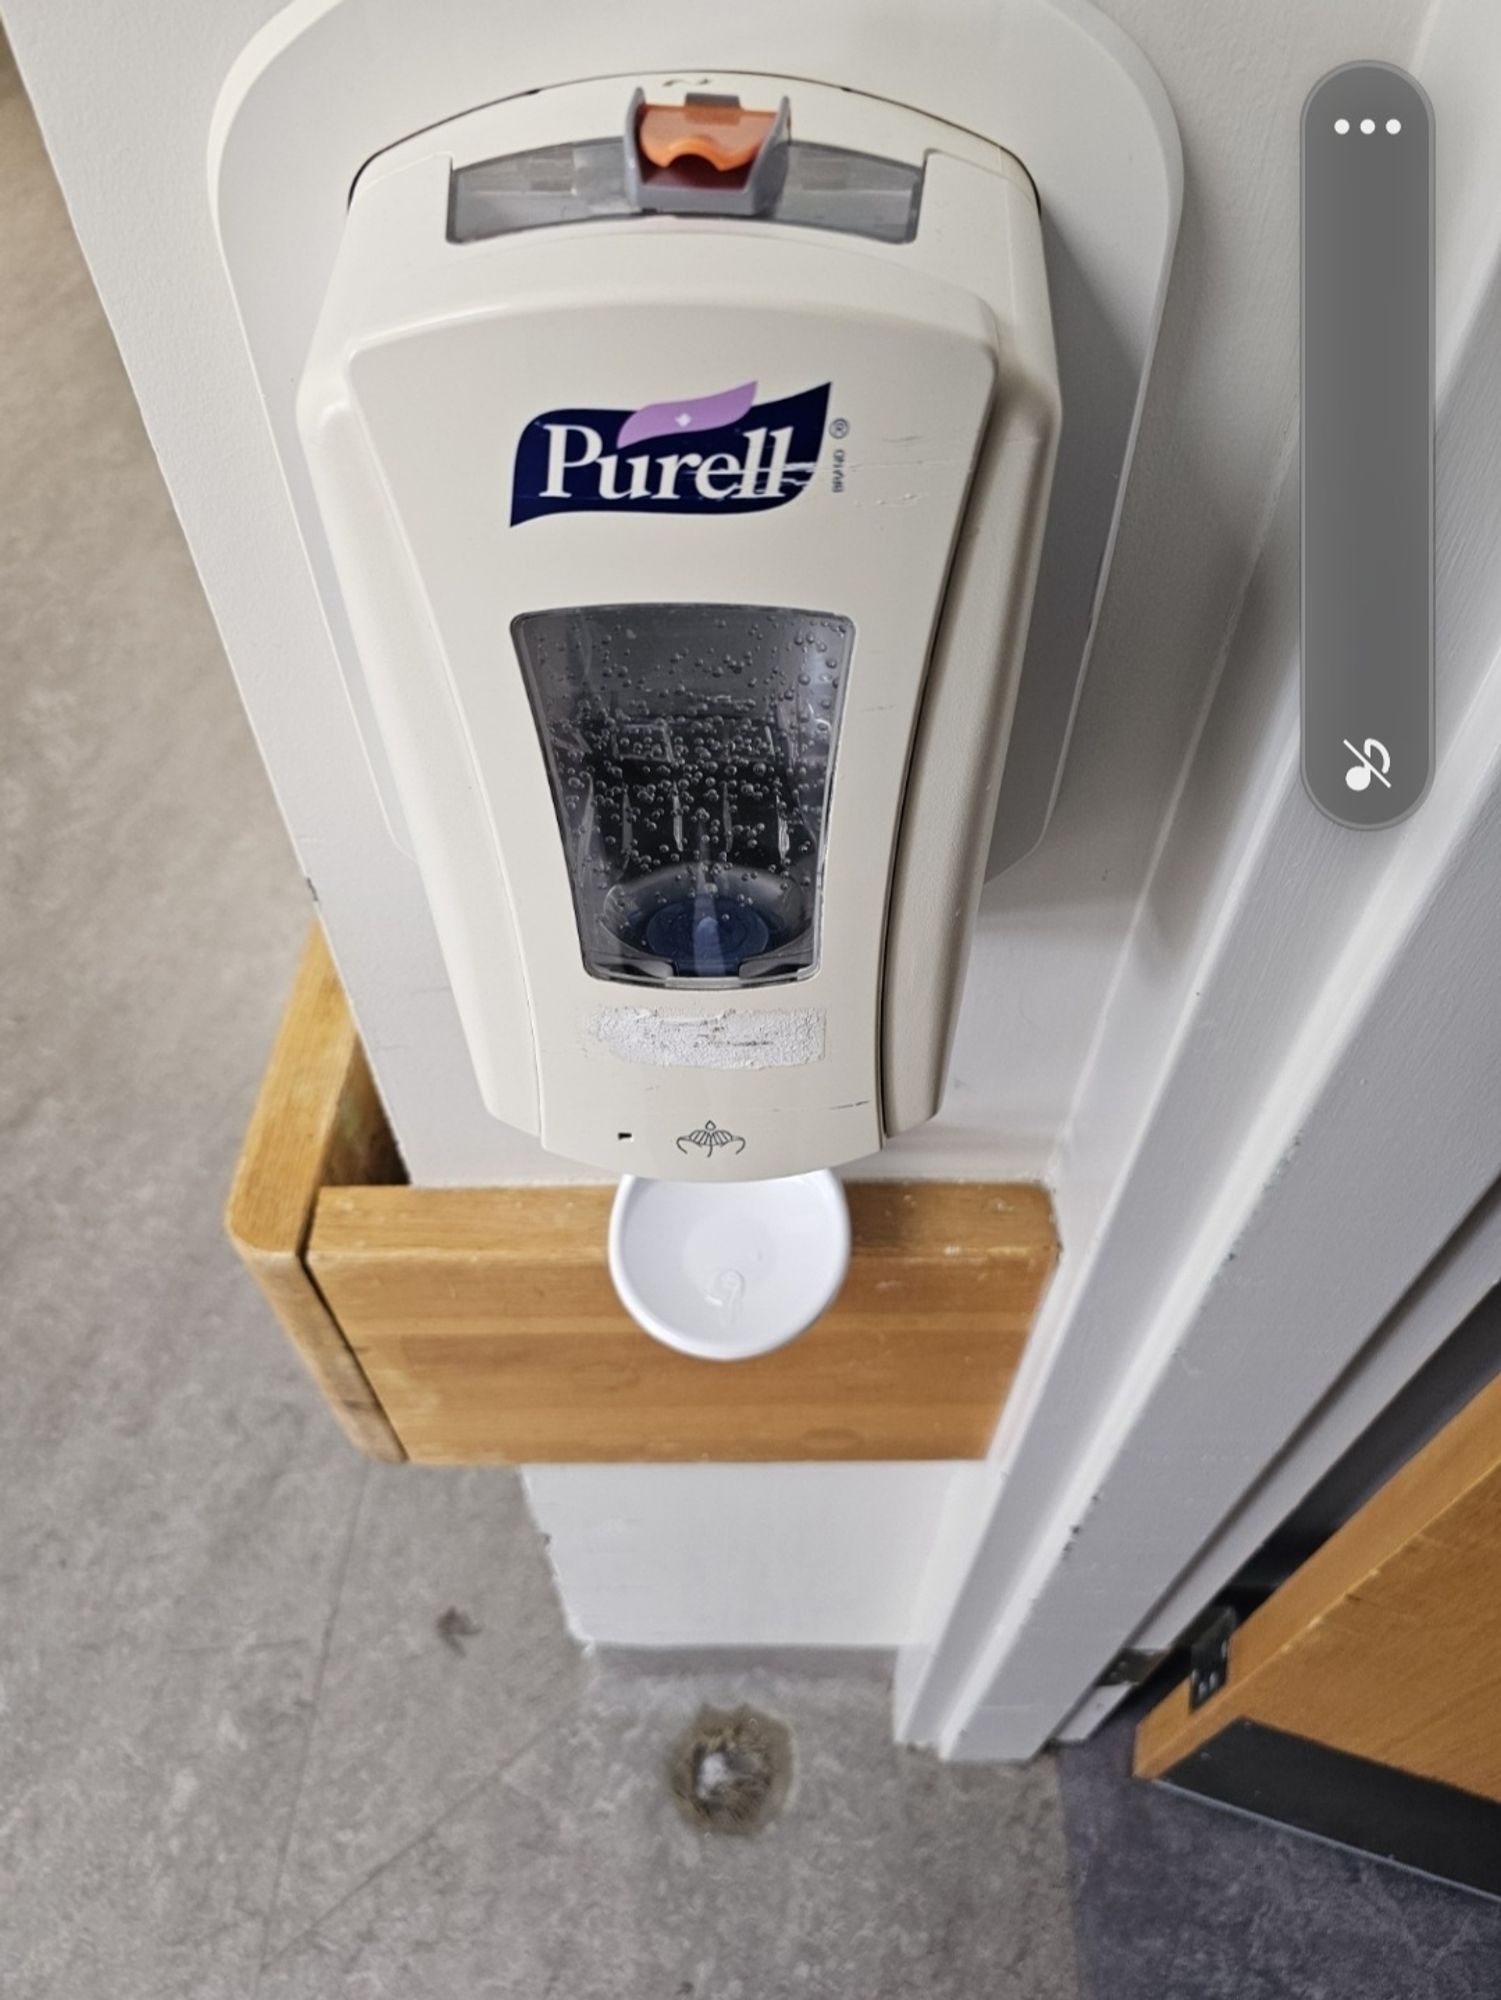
(684, 448)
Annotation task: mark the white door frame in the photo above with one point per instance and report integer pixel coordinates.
(1293, 1106)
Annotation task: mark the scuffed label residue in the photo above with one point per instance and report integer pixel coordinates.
(712, 1041)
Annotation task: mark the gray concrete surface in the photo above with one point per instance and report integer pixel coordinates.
(274, 1722)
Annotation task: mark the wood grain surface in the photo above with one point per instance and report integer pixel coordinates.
(487, 1322)
(317, 1118)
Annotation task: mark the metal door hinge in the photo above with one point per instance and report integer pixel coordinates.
(1209, 1655)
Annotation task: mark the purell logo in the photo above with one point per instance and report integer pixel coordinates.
(720, 454)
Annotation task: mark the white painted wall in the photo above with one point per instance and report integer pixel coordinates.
(685, 1555)
(1047, 1081)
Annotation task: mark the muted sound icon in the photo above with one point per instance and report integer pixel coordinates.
(1372, 760)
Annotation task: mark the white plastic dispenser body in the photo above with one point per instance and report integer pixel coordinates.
(686, 526)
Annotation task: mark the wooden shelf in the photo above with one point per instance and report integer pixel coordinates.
(468, 1326)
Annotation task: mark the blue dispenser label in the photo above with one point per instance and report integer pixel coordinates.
(719, 454)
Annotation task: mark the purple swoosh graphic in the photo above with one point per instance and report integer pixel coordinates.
(681, 419)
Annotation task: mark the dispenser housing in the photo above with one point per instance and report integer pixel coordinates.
(684, 448)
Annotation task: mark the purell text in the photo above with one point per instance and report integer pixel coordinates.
(723, 453)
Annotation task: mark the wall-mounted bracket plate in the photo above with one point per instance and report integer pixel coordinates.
(327, 84)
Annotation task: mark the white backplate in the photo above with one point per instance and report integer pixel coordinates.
(329, 83)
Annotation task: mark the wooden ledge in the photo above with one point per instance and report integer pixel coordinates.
(479, 1325)
(316, 1121)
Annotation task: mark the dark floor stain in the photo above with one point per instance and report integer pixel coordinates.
(454, 1627)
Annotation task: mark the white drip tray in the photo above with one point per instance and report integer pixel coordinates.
(727, 1272)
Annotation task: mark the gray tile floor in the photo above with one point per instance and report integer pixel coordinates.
(274, 1722)
(238, 1755)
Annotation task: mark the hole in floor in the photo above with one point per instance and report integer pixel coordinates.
(730, 1770)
